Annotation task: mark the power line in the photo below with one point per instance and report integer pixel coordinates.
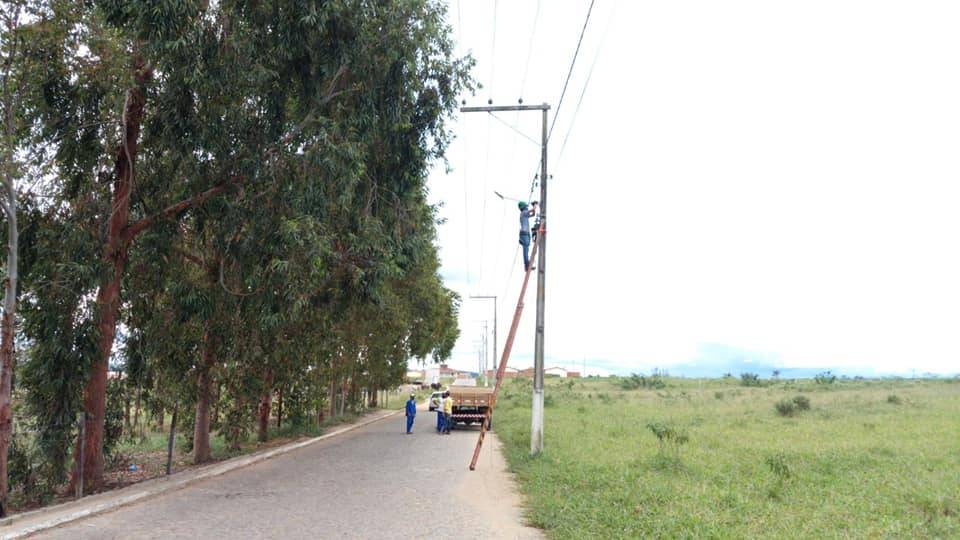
(563, 93)
(583, 92)
(466, 205)
(515, 129)
(526, 68)
(583, 31)
(493, 44)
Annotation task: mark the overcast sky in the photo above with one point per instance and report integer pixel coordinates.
(776, 181)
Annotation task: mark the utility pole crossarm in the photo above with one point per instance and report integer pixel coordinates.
(505, 108)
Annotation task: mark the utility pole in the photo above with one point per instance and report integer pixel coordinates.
(536, 421)
(483, 361)
(495, 349)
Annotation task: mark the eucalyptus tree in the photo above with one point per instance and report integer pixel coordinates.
(172, 118)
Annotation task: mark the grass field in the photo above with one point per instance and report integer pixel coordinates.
(868, 459)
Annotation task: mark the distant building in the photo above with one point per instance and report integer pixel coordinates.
(508, 373)
(555, 372)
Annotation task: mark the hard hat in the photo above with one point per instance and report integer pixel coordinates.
(521, 205)
(412, 395)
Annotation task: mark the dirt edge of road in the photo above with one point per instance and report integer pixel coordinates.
(493, 491)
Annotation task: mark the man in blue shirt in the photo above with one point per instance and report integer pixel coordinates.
(525, 216)
(411, 412)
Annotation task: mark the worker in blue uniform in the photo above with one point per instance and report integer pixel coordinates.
(525, 214)
(411, 412)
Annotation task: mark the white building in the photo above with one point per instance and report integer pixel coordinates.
(556, 372)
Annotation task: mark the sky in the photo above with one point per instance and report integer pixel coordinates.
(735, 184)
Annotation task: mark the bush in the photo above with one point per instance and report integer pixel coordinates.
(749, 379)
(802, 403)
(635, 381)
(786, 407)
(718, 395)
(669, 437)
(825, 378)
(777, 463)
(894, 399)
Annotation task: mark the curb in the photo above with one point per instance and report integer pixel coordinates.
(160, 486)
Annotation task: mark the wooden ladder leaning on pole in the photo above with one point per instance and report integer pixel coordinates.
(507, 347)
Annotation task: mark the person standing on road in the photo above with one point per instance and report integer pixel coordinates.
(525, 215)
(447, 412)
(437, 403)
(411, 412)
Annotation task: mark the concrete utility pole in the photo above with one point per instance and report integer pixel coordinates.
(536, 422)
(495, 349)
(483, 362)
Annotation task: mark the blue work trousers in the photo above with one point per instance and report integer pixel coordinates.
(525, 242)
(439, 420)
(410, 423)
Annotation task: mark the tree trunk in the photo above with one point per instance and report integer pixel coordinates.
(373, 397)
(343, 397)
(264, 413)
(108, 296)
(136, 413)
(8, 319)
(279, 407)
(216, 405)
(201, 424)
(332, 397)
(127, 428)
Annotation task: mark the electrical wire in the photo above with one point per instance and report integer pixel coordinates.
(583, 92)
(526, 68)
(514, 128)
(466, 206)
(563, 93)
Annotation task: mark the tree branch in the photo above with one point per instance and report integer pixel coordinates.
(173, 210)
(132, 230)
(189, 256)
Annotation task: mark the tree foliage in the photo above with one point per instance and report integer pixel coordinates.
(250, 179)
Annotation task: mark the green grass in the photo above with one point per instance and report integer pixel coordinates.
(854, 465)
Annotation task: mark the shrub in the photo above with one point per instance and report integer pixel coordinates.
(635, 381)
(777, 463)
(669, 437)
(894, 399)
(749, 379)
(802, 403)
(786, 407)
(825, 377)
(718, 395)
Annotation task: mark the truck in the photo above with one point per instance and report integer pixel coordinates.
(470, 404)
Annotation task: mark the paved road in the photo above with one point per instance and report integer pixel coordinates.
(374, 482)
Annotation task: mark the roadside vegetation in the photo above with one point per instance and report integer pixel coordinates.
(214, 211)
(819, 458)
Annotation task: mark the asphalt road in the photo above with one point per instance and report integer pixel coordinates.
(373, 482)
